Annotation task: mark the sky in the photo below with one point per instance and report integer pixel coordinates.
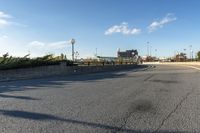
(42, 27)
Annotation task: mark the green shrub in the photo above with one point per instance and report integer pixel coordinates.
(9, 62)
(198, 55)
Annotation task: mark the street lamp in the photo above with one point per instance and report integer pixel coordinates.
(72, 41)
(96, 52)
(156, 52)
(147, 49)
(150, 50)
(76, 55)
(190, 52)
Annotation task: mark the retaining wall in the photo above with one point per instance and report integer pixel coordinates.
(45, 71)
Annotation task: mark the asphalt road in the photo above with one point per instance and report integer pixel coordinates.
(161, 99)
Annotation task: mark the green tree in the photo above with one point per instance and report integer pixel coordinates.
(198, 55)
(5, 58)
(62, 56)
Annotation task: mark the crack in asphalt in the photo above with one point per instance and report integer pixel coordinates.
(173, 111)
(130, 112)
(125, 122)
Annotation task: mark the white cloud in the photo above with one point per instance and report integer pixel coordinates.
(19, 24)
(42, 45)
(4, 15)
(4, 23)
(4, 37)
(4, 19)
(38, 48)
(36, 44)
(58, 45)
(159, 24)
(124, 29)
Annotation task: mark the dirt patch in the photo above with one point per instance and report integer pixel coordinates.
(142, 106)
(162, 90)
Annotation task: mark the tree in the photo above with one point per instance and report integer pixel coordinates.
(62, 56)
(5, 58)
(198, 55)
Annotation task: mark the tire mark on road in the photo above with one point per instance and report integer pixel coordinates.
(149, 77)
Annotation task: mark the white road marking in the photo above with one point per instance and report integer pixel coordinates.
(197, 68)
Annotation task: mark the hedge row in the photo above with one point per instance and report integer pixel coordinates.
(7, 62)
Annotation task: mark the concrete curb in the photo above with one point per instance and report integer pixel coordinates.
(172, 63)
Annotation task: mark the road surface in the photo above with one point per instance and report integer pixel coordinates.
(160, 99)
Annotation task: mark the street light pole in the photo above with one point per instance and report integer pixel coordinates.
(96, 52)
(150, 50)
(147, 48)
(190, 52)
(76, 55)
(156, 52)
(73, 42)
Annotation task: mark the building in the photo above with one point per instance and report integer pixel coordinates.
(127, 54)
(181, 57)
(109, 59)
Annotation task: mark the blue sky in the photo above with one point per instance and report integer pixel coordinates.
(46, 26)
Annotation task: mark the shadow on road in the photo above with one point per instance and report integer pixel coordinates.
(58, 81)
(47, 117)
(17, 97)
